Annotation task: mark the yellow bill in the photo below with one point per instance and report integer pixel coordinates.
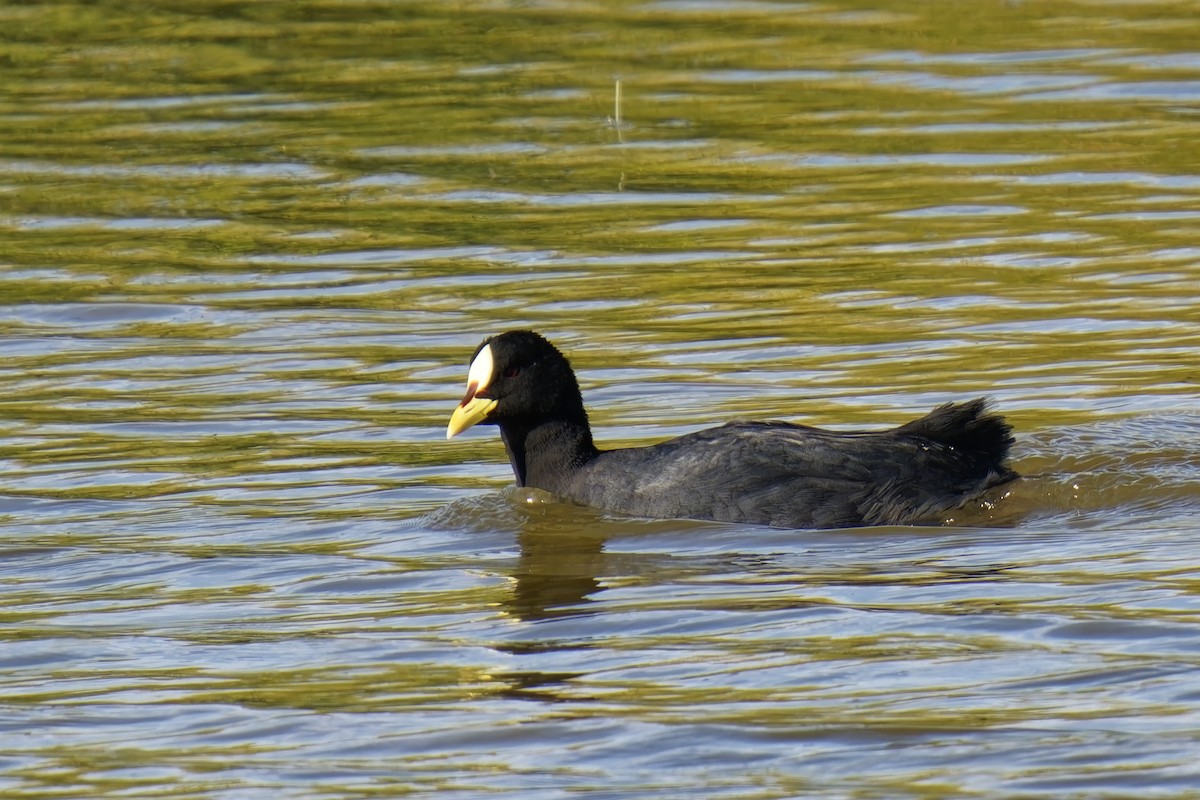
(474, 409)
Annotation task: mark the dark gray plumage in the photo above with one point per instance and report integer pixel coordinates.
(771, 473)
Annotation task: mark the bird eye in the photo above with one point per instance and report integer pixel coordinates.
(512, 372)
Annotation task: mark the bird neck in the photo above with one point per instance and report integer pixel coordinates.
(545, 455)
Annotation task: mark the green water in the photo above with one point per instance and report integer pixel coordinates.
(247, 250)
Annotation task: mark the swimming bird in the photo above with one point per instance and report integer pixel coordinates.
(770, 473)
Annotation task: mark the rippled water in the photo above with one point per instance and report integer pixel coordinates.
(245, 253)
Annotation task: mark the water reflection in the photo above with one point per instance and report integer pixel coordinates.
(557, 572)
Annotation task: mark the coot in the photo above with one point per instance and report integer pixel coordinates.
(770, 473)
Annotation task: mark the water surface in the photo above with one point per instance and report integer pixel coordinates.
(246, 252)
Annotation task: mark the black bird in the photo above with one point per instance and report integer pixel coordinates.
(770, 473)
